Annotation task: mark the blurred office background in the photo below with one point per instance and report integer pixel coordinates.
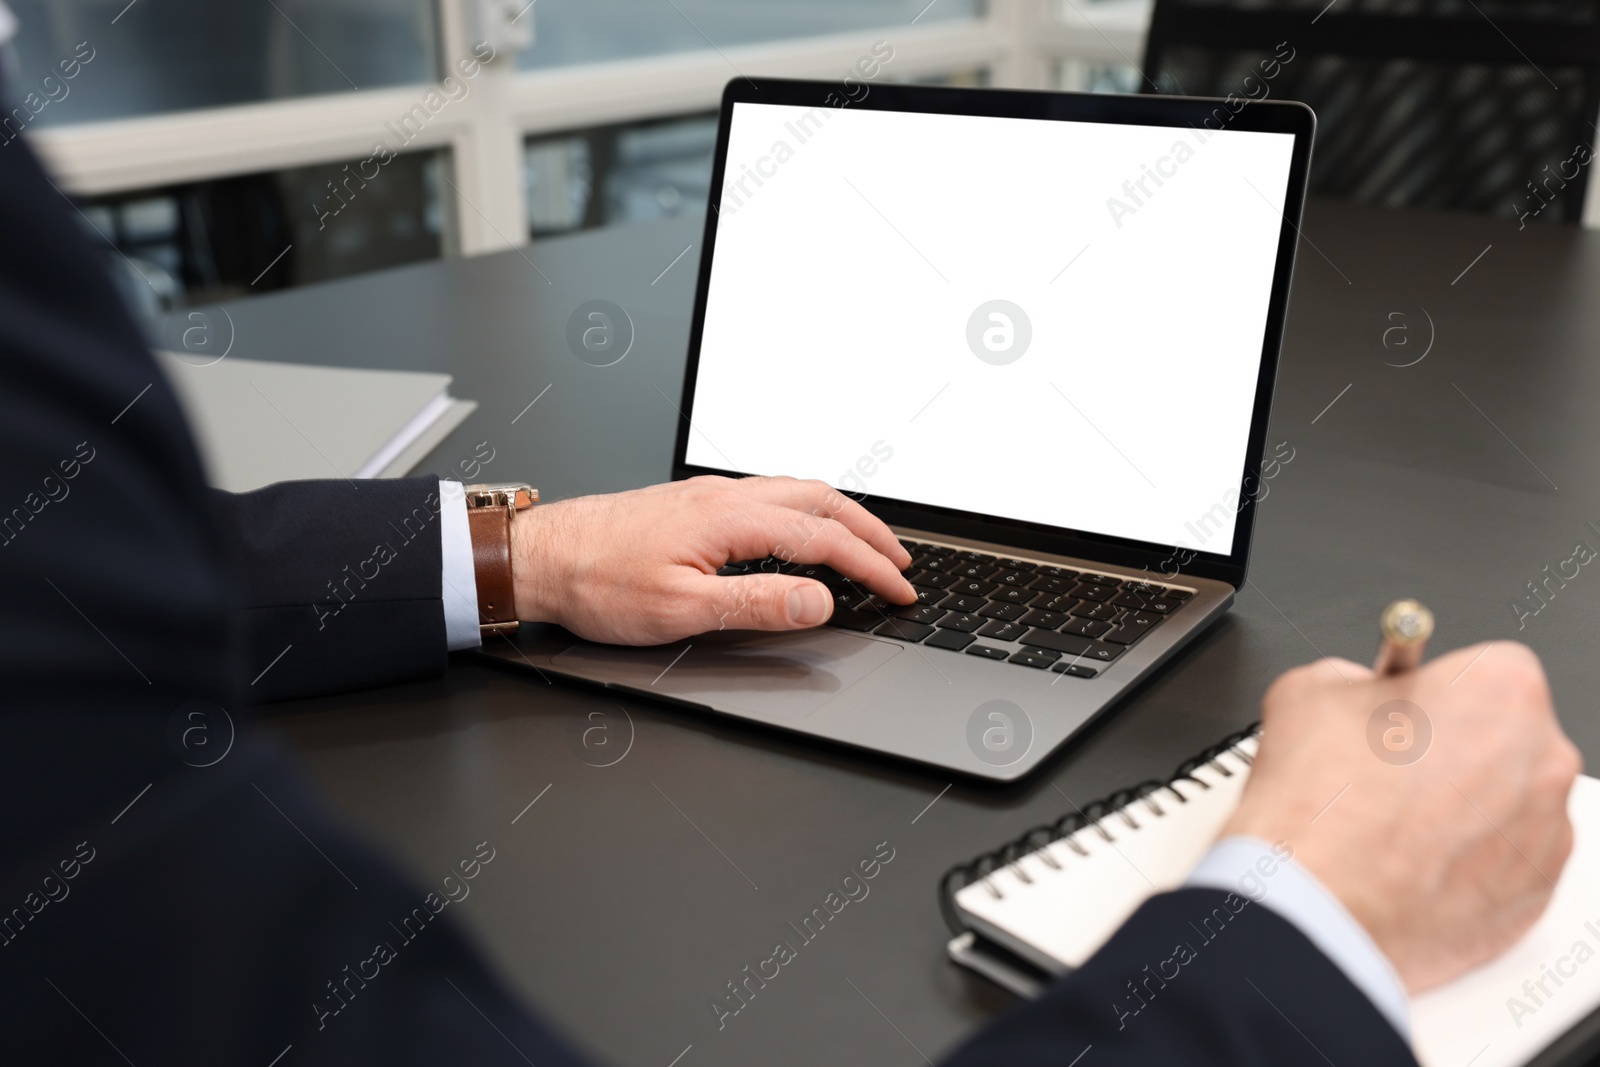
(222, 148)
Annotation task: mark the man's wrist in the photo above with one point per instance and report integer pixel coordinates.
(533, 566)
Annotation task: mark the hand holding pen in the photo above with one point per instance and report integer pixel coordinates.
(1478, 815)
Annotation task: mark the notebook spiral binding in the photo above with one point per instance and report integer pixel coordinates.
(975, 870)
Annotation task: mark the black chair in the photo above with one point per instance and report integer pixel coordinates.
(1472, 105)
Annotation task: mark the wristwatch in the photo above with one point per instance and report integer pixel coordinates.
(490, 508)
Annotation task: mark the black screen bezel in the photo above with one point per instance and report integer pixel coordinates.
(1178, 112)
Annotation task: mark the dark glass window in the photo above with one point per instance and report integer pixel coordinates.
(619, 174)
(217, 240)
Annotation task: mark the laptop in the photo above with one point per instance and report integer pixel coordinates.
(1035, 333)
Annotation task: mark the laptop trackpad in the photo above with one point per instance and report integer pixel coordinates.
(780, 676)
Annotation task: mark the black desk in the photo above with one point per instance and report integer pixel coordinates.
(627, 896)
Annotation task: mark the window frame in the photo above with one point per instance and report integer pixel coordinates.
(1021, 43)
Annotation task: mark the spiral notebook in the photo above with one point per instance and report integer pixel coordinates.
(1041, 905)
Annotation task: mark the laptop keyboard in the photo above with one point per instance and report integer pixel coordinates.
(1069, 621)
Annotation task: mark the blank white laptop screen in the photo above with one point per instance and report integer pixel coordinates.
(1054, 322)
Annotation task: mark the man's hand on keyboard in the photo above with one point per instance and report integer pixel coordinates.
(640, 567)
(1432, 803)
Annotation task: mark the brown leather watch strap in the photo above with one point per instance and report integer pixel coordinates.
(491, 562)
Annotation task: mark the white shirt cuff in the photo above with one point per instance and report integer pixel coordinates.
(1251, 868)
(459, 582)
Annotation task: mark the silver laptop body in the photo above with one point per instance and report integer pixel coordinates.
(1074, 456)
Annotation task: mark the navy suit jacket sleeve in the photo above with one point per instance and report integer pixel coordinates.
(336, 585)
(1198, 976)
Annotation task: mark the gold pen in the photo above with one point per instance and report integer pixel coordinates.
(1406, 626)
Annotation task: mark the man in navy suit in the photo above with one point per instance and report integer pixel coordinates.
(197, 930)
